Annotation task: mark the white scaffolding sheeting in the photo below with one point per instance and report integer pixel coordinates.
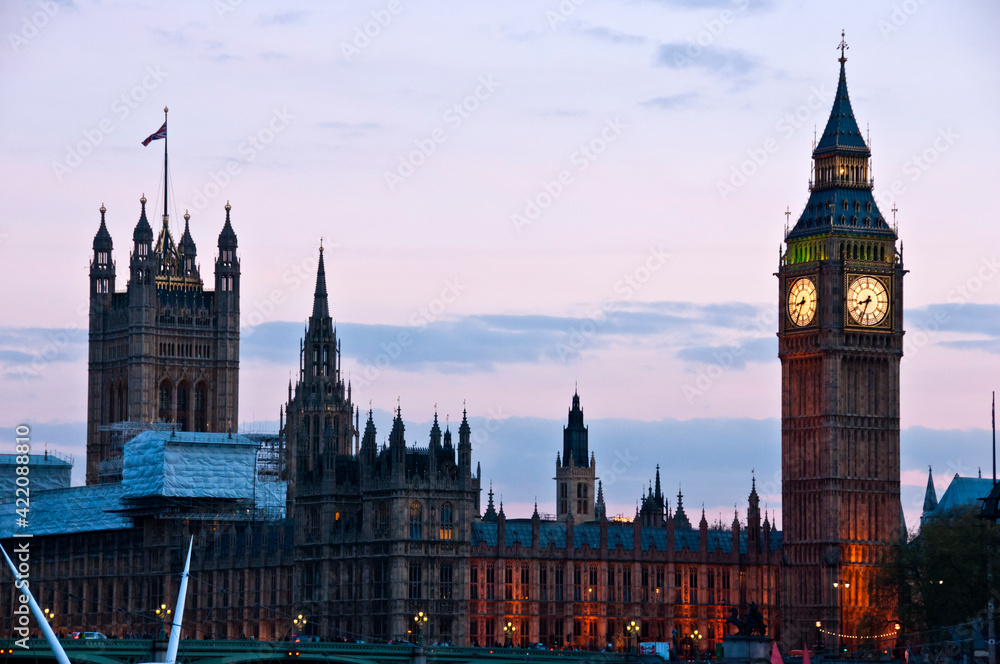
(189, 465)
(59, 511)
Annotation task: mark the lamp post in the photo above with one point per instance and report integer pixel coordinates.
(696, 639)
(837, 585)
(163, 613)
(420, 620)
(299, 624)
(632, 629)
(508, 633)
(819, 635)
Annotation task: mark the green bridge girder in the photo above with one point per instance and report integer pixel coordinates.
(138, 651)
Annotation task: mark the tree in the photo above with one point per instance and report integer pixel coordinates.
(939, 578)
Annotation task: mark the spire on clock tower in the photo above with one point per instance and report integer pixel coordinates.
(841, 200)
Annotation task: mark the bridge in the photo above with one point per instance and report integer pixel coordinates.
(135, 651)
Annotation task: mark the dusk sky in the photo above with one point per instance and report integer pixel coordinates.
(515, 198)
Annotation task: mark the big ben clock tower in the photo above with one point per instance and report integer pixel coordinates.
(840, 342)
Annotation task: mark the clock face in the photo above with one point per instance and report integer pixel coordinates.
(867, 301)
(802, 302)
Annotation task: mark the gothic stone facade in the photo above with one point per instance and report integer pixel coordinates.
(165, 349)
(840, 344)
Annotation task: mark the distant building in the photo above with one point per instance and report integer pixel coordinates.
(962, 493)
(360, 537)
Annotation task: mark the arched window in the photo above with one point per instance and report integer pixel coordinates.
(416, 521)
(201, 407)
(166, 402)
(446, 522)
(183, 399)
(123, 400)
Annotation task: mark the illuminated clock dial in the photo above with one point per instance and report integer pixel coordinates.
(802, 301)
(867, 301)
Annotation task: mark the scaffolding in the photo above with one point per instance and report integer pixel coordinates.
(113, 439)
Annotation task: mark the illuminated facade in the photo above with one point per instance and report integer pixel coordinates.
(578, 579)
(840, 343)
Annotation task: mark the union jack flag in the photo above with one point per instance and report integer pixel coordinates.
(159, 133)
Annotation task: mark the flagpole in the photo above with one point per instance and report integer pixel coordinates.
(165, 109)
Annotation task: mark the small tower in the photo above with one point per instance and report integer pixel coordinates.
(142, 289)
(102, 269)
(576, 470)
(600, 510)
(188, 252)
(681, 520)
(930, 498)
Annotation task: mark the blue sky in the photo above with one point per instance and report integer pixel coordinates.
(515, 198)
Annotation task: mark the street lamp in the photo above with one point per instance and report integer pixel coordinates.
(632, 629)
(508, 632)
(696, 640)
(420, 620)
(840, 612)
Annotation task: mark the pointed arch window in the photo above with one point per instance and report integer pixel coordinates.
(166, 401)
(183, 403)
(416, 521)
(201, 406)
(447, 516)
(112, 403)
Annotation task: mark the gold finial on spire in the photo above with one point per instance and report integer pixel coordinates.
(843, 47)
(228, 206)
(165, 109)
(320, 244)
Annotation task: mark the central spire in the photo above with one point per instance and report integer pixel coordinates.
(841, 201)
(321, 308)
